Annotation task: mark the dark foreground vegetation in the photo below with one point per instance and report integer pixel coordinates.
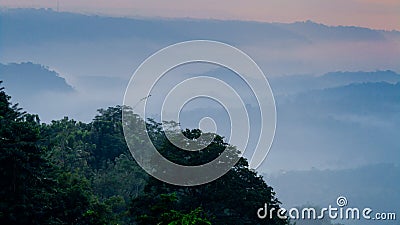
(69, 172)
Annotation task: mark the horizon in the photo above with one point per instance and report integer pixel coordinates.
(190, 19)
(377, 15)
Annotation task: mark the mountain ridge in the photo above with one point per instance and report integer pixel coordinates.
(190, 19)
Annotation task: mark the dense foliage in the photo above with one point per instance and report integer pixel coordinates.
(69, 172)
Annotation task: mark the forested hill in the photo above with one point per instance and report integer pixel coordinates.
(70, 172)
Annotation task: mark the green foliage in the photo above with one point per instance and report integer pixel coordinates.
(122, 177)
(107, 135)
(43, 172)
(194, 217)
(232, 199)
(75, 203)
(162, 211)
(68, 144)
(24, 182)
(69, 172)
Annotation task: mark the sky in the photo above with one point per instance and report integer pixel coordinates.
(376, 14)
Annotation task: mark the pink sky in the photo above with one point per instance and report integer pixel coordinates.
(378, 14)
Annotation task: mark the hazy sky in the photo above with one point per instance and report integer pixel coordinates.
(378, 14)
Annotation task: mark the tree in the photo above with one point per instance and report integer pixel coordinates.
(232, 199)
(194, 217)
(107, 135)
(69, 145)
(162, 211)
(69, 172)
(75, 203)
(121, 177)
(33, 189)
(24, 183)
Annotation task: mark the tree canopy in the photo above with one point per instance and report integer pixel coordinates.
(70, 172)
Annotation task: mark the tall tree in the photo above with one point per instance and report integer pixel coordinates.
(33, 189)
(107, 135)
(69, 144)
(232, 199)
(24, 183)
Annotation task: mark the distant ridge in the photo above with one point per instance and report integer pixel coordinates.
(27, 78)
(48, 24)
(302, 83)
